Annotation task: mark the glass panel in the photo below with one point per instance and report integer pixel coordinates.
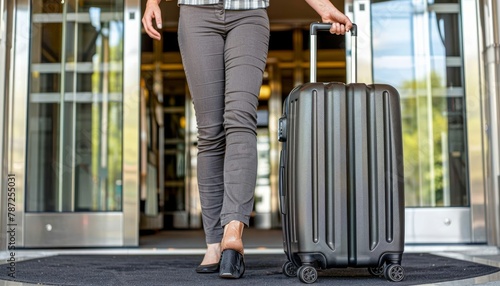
(75, 109)
(424, 63)
(44, 111)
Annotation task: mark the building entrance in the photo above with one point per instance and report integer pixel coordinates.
(101, 135)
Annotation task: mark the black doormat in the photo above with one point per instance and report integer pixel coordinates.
(262, 269)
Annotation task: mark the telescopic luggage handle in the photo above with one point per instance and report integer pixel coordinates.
(315, 27)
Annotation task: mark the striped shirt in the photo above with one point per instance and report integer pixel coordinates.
(230, 4)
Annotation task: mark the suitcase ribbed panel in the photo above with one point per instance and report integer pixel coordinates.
(389, 215)
(292, 164)
(380, 156)
(374, 168)
(315, 148)
(305, 176)
(358, 145)
(330, 156)
(335, 171)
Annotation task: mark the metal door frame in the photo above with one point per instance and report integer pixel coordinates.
(73, 229)
(443, 224)
(489, 34)
(6, 10)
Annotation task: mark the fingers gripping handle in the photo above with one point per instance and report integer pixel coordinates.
(315, 27)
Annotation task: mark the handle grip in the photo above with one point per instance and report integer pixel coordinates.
(317, 26)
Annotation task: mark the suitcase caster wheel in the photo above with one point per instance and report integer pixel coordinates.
(307, 274)
(394, 273)
(377, 271)
(289, 269)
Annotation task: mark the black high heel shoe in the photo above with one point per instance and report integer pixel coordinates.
(208, 268)
(232, 264)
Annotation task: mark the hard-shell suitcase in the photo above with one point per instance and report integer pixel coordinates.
(341, 176)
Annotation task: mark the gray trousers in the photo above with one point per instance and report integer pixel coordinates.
(224, 55)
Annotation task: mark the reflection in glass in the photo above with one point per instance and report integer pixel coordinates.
(75, 107)
(424, 63)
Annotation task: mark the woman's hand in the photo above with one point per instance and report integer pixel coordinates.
(152, 12)
(340, 23)
(330, 14)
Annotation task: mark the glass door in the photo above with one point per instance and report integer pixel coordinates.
(82, 107)
(75, 109)
(421, 47)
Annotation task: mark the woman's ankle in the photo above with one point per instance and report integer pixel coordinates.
(212, 255)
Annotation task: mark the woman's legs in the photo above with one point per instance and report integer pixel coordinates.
(224, 55)
(245, 57)
(201, 43)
